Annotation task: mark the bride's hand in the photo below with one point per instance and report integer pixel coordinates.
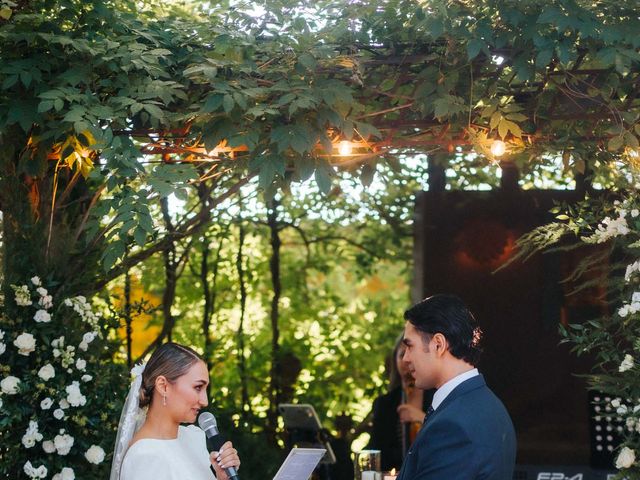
(225, 458)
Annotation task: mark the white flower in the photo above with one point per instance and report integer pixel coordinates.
(83, 308)
(23, 296)
(95, 454)
(631, 269)
(68, 356)
(42, 316)
(89, 337)
(64, 404)
(9, 385)
(81, 364)
(622, 410)
(1, 334)
(25, 343)
(635, 212)
(58, 342)
(36, 281)
(63, 443)
(58, 413)
(0, 402)
(74, 395)
(3, 348)
(86, 378)
(48, 446)
(610, 228)
(626, 458)
(32, 435)
(46, 301)
(66, 474)
(615, 403)
(56, 353)
(32, 472)
(47, 372)
(46, 404)
(627, 363)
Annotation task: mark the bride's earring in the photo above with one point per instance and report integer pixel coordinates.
(164, 400)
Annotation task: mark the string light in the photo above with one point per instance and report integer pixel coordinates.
(345, 148)
(498, 148)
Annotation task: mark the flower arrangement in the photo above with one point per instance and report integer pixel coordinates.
(58, 399)
(614, 339)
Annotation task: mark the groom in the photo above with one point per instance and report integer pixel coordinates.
(467, 433)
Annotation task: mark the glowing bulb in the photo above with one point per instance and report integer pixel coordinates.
(345, 148)
(498, 148)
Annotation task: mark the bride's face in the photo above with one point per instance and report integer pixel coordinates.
(188, 394)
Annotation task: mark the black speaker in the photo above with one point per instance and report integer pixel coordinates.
(606, 428)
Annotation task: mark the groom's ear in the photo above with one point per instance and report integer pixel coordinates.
(161, 384)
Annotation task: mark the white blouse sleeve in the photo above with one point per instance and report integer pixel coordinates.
(144, 464)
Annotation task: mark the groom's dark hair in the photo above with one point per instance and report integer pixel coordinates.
(449, 316)
(170, 360)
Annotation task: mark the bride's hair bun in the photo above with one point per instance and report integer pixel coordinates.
(171, 361)
(145, 397)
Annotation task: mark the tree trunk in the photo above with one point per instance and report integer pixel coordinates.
(242, 367)
(127, 316)
(171, 276)
(274, 264)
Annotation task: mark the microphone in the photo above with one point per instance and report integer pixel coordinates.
(215, 440)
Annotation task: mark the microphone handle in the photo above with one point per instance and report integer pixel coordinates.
(214, 443)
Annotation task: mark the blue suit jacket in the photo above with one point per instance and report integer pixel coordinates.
(469, 437)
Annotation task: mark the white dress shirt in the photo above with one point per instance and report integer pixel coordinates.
(444, 391)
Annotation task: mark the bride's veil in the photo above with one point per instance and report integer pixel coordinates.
(131, 420)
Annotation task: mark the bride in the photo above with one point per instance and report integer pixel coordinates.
(173, 385)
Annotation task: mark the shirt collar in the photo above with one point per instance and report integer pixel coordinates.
(444, 391)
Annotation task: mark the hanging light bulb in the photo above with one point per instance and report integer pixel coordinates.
(498, 148)
(345, 148)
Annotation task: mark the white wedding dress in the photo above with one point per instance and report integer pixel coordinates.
(183, 458)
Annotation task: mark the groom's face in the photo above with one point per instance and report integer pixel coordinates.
(420, 358)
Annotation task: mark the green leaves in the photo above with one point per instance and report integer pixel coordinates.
(324, 175)
(448, 106)
(169, 178)
(269, 167)
(300, 138)
(155, 111)
(473, 48)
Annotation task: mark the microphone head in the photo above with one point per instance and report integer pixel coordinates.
(206, 421)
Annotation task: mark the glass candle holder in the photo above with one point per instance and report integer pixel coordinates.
(367, 465)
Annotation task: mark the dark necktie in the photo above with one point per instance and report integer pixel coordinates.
(429, 412)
